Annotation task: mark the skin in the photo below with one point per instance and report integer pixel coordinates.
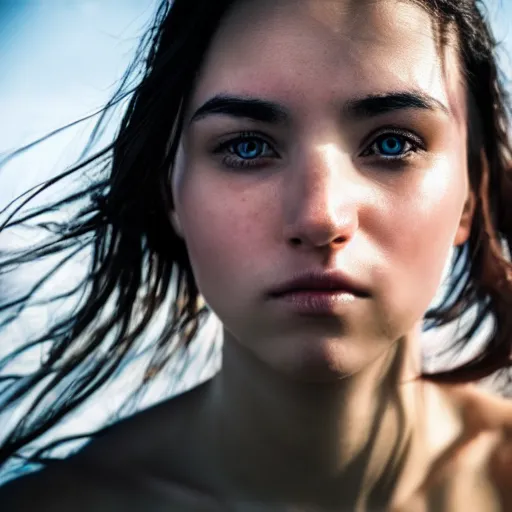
(323, 411)
(349, 212)
(302, 395)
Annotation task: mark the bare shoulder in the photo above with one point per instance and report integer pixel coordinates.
(59, 488)
(88, 488)
(160, 431)
(481, 409)
(496, 416)
(115, 471)
(488, 422)
(78, 484)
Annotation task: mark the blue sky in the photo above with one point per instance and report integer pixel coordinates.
(60, 61)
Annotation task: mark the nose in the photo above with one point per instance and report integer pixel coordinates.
(320, 200)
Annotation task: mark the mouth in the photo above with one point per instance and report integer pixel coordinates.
(319, 293)
(321, 283)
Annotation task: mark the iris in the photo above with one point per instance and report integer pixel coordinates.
(391, 146)
(249, 149)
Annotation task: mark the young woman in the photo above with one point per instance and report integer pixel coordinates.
(305, 167)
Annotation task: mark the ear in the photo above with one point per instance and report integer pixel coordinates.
(176, 224)
(466, 220)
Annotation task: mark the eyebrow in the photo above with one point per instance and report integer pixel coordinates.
(379, 104)
(266, 111)
(242, 107)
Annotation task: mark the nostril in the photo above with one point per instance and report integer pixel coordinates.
(295, 242)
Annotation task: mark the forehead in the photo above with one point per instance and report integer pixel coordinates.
(325, 49)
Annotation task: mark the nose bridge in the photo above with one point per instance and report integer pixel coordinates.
(321, 202)
(322, 172)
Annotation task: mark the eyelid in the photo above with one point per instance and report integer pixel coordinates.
(394, 130)
(238, 137)
(222, 147)
(241, 135)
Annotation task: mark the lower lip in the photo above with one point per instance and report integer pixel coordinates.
(317, 303)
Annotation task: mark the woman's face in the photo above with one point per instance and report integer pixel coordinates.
(346, 151)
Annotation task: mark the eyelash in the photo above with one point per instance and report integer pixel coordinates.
(230, 160)
(415, 143)
(235, 162)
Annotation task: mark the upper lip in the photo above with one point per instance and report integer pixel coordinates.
(334, 280)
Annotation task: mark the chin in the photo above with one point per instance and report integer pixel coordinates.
(320, 361)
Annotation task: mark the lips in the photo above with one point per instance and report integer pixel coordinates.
(321, 282)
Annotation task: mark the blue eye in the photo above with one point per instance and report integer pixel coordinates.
(248, 149)
(393, 146)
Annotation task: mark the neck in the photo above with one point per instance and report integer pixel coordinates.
(346, 441)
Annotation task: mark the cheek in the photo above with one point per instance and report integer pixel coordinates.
(419, 234)
(226, 231)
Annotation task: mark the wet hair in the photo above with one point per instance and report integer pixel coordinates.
(139, 266)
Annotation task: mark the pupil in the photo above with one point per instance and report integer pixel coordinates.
(249, 149)
(391, 145)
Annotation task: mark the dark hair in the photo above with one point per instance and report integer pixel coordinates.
(138, 261)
